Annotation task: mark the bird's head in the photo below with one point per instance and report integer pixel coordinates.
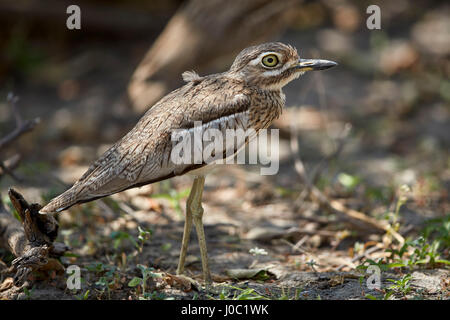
(272, 65)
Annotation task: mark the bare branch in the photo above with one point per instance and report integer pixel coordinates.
(22, 126)
(7, 167)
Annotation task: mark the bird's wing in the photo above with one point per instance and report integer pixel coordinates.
(143, 155)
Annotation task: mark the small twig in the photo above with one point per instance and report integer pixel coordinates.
(7, 167)
(108, 212)
(298, 163)
(341, 141)
(298, 245)
(362, 255)
(315, 172)
(125, 207)
(12, 101)
(294, 247)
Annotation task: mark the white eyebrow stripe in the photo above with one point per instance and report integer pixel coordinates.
(270, 73)
(283, 82)
(273, 72)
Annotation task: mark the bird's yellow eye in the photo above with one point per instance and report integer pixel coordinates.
(271, 60)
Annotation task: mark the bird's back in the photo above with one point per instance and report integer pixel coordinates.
(142, 156)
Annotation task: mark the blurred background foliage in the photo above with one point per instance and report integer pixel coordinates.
(392, 84)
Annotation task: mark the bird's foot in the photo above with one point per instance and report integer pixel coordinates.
(207, 288)
(186, 282)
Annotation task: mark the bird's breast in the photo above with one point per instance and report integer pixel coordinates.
(266, 106)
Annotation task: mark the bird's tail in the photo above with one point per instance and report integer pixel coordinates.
(62, 202)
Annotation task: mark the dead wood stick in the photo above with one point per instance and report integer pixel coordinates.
(32, 242)
(7, 167)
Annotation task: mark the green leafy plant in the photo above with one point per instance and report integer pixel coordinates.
(350, 182)
(7, 202)
(108, 277)
(312, 264)
(120, 236)
(413, 253)
(143, 236)
(85, 296)
(393, 217)
(174, 197)
(286, 294)
(236, 293)
(28, 293)
(386, 296)
(141, 282)
(402, 285)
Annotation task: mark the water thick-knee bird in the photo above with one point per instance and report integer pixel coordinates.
(247, 96)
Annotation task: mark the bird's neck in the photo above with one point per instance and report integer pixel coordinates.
(267, 105)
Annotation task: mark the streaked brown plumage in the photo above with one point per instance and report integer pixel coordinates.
(246, 96)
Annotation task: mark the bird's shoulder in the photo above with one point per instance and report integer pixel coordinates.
(202, 99)
(213, 98)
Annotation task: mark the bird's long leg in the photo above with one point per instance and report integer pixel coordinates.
(187, 230)
(197, 215)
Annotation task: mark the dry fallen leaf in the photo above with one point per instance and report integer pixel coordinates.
(336, 280)
(246, 273)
